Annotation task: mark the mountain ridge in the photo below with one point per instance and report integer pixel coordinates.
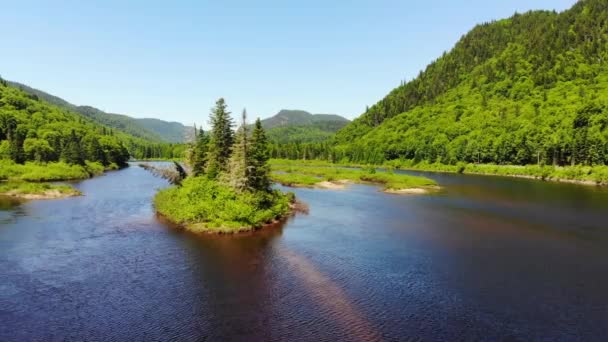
(299, 126)
(151, 129)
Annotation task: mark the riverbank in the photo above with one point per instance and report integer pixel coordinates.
(37, 191)
(585, 175)
(337, 178)
(51, 172)
(201, 205)
(30, 180)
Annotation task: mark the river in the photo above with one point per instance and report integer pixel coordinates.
(486, 258)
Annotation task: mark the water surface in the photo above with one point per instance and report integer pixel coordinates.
(486, 258)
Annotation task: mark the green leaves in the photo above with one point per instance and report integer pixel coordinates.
(501, 95)
(203, 204)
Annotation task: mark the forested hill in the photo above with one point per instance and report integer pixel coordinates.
(32, 129)
(153, 130)
(289, 126)
(528, 89)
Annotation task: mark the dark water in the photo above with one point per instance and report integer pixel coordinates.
(485, 259)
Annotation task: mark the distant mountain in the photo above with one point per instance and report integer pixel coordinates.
(290, 126)
(288, 117)
(149, 129)
(170, 131)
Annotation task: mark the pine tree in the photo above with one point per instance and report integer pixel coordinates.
(238, 171)
(72, 152)
(259, 178)
(15, 136)
(221, 139)
(93, 150)
(16, 152)
(199, 153)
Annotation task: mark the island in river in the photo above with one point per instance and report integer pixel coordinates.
(229, 189)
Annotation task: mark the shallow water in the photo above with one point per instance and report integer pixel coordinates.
(486, 258)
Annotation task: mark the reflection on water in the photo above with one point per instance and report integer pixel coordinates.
(486, 258)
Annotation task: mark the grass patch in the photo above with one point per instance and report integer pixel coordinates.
(294, 179)
(41, 190)
(48, 172)
(309, 175)
(597, 174)
(203, 205)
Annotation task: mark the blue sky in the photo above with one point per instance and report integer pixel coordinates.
(173, 59)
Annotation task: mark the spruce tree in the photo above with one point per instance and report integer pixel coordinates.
(15, 137)
(238, 171)
(199, 153)
(259, 178)
(15, 141)
(93, 150)
(72, 152)
(220, 140)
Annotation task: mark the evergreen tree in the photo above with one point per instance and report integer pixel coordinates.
(10, 130)
(238, 171)
(220, 140)
(16, 138)
(72, 152)
(198, 158)
(93, 150)
(259, 177)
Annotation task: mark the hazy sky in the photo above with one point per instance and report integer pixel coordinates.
(173, 59)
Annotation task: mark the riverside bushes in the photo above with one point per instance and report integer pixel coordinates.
(203, 204)
(20, 189)
(45, 172)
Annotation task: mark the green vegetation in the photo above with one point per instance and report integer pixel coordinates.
(37, 190)
(597, 174)
(229, 190)
(286, 118)
(33, 130)
(172, 132)
(298, 126)
(53, 171)
(298, 134)
(295, 179)
(205, 205)
(302, 175)
(40, 141)
(531, 89)
(152, 130)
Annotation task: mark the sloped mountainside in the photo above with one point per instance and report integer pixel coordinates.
(153, 130)
(289, 126)
(532, 88)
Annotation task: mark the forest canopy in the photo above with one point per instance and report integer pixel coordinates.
(530, 89)
(32, 129)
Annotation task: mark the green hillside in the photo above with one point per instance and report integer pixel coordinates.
(529, 89)
(173, 132)
(298, 126)
(32, 129)
(153, 130)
